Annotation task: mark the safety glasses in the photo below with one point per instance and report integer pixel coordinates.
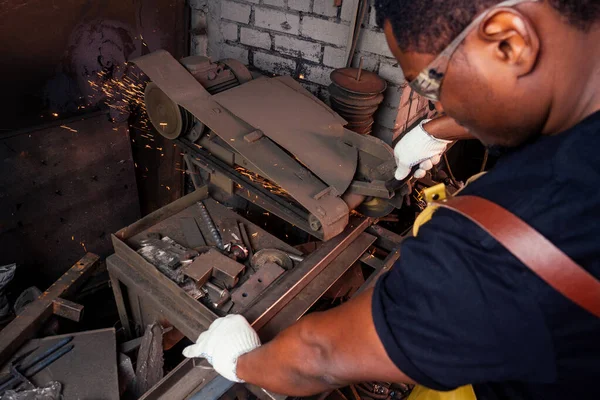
(429, 82)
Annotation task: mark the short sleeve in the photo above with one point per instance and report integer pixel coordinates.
(453, 310)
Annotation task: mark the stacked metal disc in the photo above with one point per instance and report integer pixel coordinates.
(356, 96)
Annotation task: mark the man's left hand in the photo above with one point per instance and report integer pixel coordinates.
(223, 343)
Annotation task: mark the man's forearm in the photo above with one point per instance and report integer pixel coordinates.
(289, 364)
(447, 129)
(322, 351)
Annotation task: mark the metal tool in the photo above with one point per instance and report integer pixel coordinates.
(23, 371)
(211, 226)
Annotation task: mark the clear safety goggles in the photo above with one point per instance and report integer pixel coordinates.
(429, 81)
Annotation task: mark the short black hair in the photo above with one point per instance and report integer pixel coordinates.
(427, 26)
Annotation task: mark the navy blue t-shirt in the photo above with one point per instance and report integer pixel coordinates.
(459, 309)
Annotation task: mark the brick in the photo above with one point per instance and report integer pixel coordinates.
(299, 5)
(239, 53)
(252, 37)
(373, 17)
(374, 42)
(370, 61)
(276, 20)
(276, 3)
(326, 31)
(317, 74)
(325, 7)
(392, 73)
(274, 64)
(298, 48)
(198, 21)
(229, 30)
(348, 7)
(252, 1)
(333, 57)
(235, 11)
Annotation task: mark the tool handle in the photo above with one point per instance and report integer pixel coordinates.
(393, 184)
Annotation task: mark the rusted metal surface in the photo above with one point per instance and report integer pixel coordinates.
(67, 309)
(51, 180)
(368, 83)
(149, 364)
(295, 280)
(387, 264)
(356, 95)
(298, 125)
(193, 236)
(249, 291)
(386, 239)
(267, 158)
(308, 296)
(35, 314)
(199, 271)
(224, 269)
(272, 256)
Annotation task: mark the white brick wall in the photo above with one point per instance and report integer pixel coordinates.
(298, 48)
(252, 37)
(303, 38)
(333, 57)
(276, 20)
(235, 11)
(325, 30)
(274, 64)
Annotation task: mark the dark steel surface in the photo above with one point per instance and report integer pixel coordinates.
(191, 232)
(61, 194)
(308, 296)
(198, 271)
(224, 269)
(387, 265)
(35, 314)
(386, 239)
(88, 371)
(267, 158)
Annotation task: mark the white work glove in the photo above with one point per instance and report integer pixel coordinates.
(418, 147)
(225, 340)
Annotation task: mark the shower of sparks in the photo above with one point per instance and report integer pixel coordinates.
(267, 184)
(68, 128)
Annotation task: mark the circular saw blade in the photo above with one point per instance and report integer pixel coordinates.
(165, 115)
(375, 208)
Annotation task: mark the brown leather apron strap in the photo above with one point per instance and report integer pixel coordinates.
(532, 249)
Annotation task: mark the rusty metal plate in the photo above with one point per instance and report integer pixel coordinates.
(369, 84)
(254, 286)
(198, 270)
(297, 124)
(267, 159)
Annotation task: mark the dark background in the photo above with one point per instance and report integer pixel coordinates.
(74, 170)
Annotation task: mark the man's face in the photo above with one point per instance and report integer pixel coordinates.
(481, 92)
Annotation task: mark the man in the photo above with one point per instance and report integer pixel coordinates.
(457, 308)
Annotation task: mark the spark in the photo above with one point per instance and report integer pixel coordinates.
(69, 129)
(55, 114)
(255, 234)
(267, 184)
(168, 188)
(83, 245)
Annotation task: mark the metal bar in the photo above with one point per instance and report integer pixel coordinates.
(297, 279)
(386, 239)
(388, 263)
(36, 313)
(298, 306)
(67, 309)
(121, 307)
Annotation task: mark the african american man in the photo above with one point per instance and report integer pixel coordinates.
(458, 308)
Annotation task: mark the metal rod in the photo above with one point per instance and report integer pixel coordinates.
(211, 225)
(360, 67)
(45, 354)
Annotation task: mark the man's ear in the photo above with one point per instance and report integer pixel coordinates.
(514, 38)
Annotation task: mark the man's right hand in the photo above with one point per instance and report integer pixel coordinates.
(418, 147)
